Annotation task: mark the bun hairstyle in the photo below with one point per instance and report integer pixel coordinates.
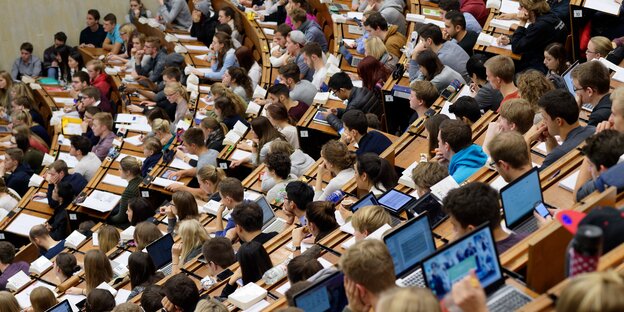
(67, 263)
(131, 165)
(338, 155)
(211, 173)
(321, 214)
(161, 125)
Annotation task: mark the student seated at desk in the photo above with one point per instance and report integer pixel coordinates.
(224, 57)
(309, 27)
(88, 164)
(130, 170)
(517, 116)
(214, 132)
(176, 94)
(254, 261)
(227, 112)
(58, 224)
(372, 73)
(23, 118)
(278, 168)
(393, 36)
(48, 247)
(183, 206)
(369, 271)
(99, 300)
(278, 45)
(375, 47)
(176, 13)
(145, 233)
(248, 217)
(300, 161)
(488, 97)
(432, 69)
(153, 152)
(16, 173)
(510, 155)
(313, 56)
(161, 131)
(153, 69)
(355, 98)
(113, 42)
(87, 125)
(65, 265)
(102, 128)
(100, 80)
(204, 22)
(27, 64)
(194, 144)
(192, 237)
(24, 103)
(473, 204)
(300, 90)
(532, 84)
(321, 222)
(142, 273)
(279, 94)
(7, 266)
(355, 127)
(367, 220)
(426, 175)
(94, 34)
(8, 197)
(108, 238)
(232, 193)
(593, 80)
(374, 174)
(219, 255)
(432, 125)
(156, 98)
(264, 134)
(76, 65)
(455, 28)
(278, 116)
(455, 141)
(560, 112)
(422, 96)
(236, 79)
(298, 196)
(500, 71)
(136, 11)
(139, 210)
(97, 269)
(466, 109)
(338, 160)
(302, 267)
(597, 290)
(616, 120)
(556, 62)
(602, 151)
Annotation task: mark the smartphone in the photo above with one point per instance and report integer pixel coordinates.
(224, 275)
(542, 210)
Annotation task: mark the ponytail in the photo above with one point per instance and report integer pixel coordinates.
(379, 171)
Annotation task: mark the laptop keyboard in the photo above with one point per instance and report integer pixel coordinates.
(278, 226)
(507, 299)
(394, 221)
(415, 278)
(528, 226)
(167, 269)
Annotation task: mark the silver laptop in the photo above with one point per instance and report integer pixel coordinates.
(270, 222)
(519, 199)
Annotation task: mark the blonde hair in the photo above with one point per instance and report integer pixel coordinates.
(42, 298)
(161, 125)
(97, 268)
(177, 88)
(602, 45)
(538, 6)
(502, 67)
(211, 173)
(597, 291)
(617, 100)
(108, 237)
(131, 165)
(129, 29)
(22, 89)
(8, 303)
(281, 146)
(193, 235)
(5, 93)
(368, 263)
(410, 299)
(210, 305)
(368, 219)
(519, 112)
(375, 47)
(105, 119)
(97, 65)
(532, 84)
(428, 174)
(23, 116)
(219, 90)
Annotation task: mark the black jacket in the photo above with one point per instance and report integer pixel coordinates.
(205, 29)
(601, 112)
(360, 98)
(18, 180)
(531, 41)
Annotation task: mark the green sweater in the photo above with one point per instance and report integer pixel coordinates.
(121, 218)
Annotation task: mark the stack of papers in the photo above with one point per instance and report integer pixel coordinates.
(607, 6)
(489, 40)
(508, 6)
(240, 154)
(406, 176)
(101, 201)
(114, 180)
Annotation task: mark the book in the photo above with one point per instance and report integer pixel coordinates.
(440, 189)
(17, 281)
(71, 125)
(259, 92)
(101, 201)
(236, 134)
(114, 180)
(569, 182)
(246, 296)
(23, 297)
(212, 207)
(253, 108)
(23, 223)
(127, 234)
(75, 240)
(119, 269)
(40, 265)
(110, 289)
(35, 180)
(239, 154)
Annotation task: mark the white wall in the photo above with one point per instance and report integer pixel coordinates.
(37, 21)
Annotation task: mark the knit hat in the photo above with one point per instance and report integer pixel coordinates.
(204, 7)
(298, 37)
(174, 60)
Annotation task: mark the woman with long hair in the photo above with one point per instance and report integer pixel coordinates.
(321, 221)
(136, 11)
(214, 131)
(223, 58)
(176, 94)
(432, 69)
(140, 209)
(8, 197)
(278, 116)
(33, 139)
(6, 82)
(142, 272)
(254, 261)
(75, 62)
(372, 73)
(209, 178)
(41, 299)
(192, 238)
(65, 265)
(246, 60)
(97, 271)
(228, 16)
(263, 134)
(145, 233)
(131, 172)
(183, 207)
(374, 174)
(108, 238)
(22, 117)
(236, 79)
(58, 224)
(556, 62)
(374, 47)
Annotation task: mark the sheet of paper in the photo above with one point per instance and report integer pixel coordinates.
(23, 222)
(134, 140)
(164, 182)
(101, 201)
(23, 297)
(72, 129)
(35, 180)
(442, 188)
(70, 160)
(498, 183)
(185, 37)
(282, 289)
(122, 156)
(445, 110)
(179, 164)
(138, 127)
(130, 118)
(63, 100)
(239, 154)
(196, 48)
(114, 180)
(358, 15)
(569, 182)
(508, 6)
(608, 6)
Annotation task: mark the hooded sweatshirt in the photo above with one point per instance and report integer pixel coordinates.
(466, 162)
(300, 162)
(476, 8)
(531, 41)
(313, 33)
(394, 41)
(392, 11)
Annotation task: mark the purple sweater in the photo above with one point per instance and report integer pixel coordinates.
(11, 270)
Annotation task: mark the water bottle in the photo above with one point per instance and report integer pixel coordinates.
(336, 196)
(276, 273)
(585, 250)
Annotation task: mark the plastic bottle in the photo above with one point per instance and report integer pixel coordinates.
(585, 250)
(336, 196)
(276, 273)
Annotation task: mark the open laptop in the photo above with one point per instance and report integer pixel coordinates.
(160, 252)
(475, 251)
(270, 222)
(325, 295)
(370, 200)
(429, 203)
(519, 198)
(567, 79)
(409, 244)
(62, 306)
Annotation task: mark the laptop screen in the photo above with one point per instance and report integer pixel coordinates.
(520, 196)
(567, 78)
(160, 250)
(394, 200)
(474, 251)
(410, 244)
(267, 211)
(326, 295)
(433, 207)
(367, 200)
(62, 306)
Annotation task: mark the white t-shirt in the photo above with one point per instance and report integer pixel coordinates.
(88, 166)
(290, 132)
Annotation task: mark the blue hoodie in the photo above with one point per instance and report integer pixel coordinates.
(466, 162)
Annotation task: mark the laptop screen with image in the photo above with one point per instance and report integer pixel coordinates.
(326, 295)
(267, 211)
(395, 200)
(475, 251)
(410, 244)
(160, 250)
(520, 196)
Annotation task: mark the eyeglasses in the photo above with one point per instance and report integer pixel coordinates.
(578, 89)
(592, 52)
(493, 163)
